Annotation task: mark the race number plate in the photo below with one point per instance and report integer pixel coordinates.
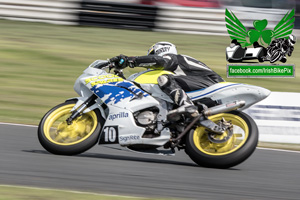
(109, 135)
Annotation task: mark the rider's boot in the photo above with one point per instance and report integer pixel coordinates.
(186, 106)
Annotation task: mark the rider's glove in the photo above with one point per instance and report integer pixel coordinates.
(119, 61)
(123, 61)
(131, 62)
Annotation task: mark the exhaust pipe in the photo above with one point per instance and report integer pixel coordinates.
(224, 108)
(207, 123)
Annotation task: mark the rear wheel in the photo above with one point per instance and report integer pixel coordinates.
(57, 137)
(276, 55)
(227, 154)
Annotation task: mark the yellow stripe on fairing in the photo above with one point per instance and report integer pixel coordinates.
(150, 77)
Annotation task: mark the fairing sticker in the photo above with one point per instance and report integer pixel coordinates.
(116, 92)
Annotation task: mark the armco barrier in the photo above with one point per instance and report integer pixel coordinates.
(49, 11)
(191, 20)
(210, 21)
(278, 117)
(117, 15)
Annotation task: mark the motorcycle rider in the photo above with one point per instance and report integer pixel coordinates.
(189, 75)
(279, 47)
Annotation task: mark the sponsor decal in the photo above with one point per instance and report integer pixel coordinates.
(127, 138)
(112, 117)
(114, 93)
(146, 64)
(231, 104)
(103, 79)
(162, 50)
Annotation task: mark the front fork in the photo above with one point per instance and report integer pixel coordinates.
(78, 112)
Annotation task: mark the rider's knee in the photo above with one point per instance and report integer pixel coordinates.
(167, 83)
(163, 81)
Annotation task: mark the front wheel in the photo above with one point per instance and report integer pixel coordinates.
(57, 137)
(227, 154)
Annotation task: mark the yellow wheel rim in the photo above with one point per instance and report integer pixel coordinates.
(238, 139)
(59, 132)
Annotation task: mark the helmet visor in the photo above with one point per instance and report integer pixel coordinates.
(151, 51)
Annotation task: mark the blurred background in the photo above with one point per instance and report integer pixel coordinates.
(46, 44)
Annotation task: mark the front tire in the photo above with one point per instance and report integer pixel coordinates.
(227, 154)
(57, 137)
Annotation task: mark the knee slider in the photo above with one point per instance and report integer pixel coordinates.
(163, 81)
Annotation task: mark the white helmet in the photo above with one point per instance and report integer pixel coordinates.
(292, 39)
(162, 48)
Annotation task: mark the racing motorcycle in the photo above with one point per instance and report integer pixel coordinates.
(132, 112)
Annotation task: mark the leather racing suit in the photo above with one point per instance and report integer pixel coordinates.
(189, 74)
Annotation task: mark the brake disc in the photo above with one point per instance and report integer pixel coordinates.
(225, 125)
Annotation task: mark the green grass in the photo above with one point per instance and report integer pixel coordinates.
(40, 62)
(25, 193)
(284, 146)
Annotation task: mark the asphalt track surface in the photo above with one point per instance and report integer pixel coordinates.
(267, 174)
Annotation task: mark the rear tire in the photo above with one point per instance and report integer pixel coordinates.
(57, 137)
(230, 153)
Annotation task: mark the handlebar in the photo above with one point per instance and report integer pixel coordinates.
(103, 65)
(110, 65)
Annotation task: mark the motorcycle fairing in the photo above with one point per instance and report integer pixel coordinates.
(115, 92)
(112, 90)
(148, 77)
(122, 123)
(229, 92)
(148, 82)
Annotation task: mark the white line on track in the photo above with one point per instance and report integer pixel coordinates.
(270, 149)
(12, 124)
(71, 191)
(34, 126)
